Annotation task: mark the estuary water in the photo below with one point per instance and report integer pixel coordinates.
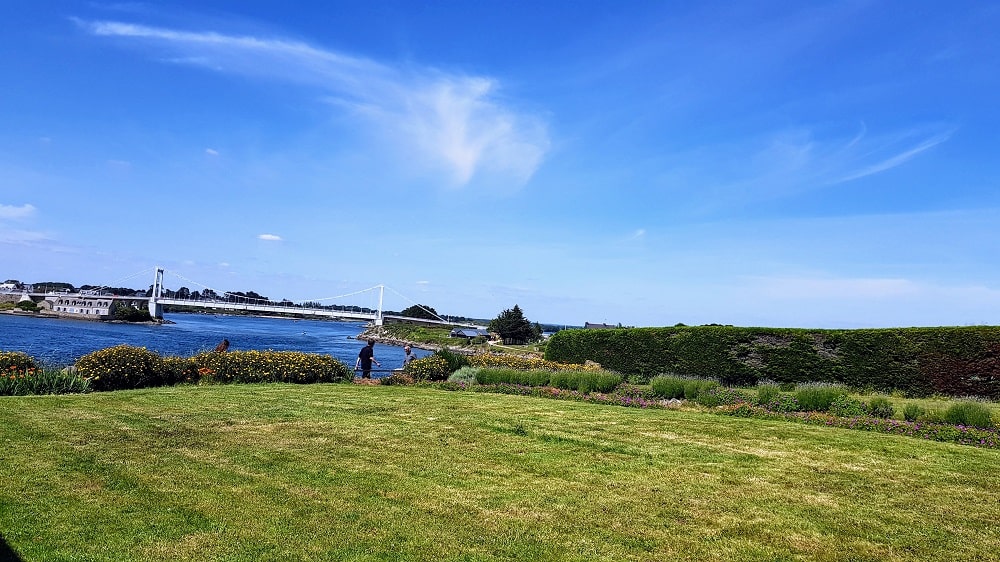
(57, 342)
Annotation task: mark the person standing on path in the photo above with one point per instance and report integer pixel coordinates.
(365, 358)
(409, 355)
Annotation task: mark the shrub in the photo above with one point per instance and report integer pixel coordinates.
(817, 397)
(716, 395)
(121, 367)
(27, 306)
(16, 361)
(507, 361)
(972, 414)
(271, 366)
(454, 360)
(912, 412)
(465, 375)
(178, 370)
(668, 386)
(781, 403)
(397, 379)
(881, 407)
(430, 368)
(846, 407)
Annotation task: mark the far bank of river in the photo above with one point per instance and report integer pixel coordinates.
(59, 342)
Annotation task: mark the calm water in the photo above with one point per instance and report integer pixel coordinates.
(59, 342)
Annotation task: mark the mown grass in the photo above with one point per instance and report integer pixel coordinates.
(342, 472)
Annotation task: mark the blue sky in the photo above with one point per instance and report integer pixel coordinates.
(787, 164)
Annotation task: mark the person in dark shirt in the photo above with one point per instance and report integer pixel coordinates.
(365, 359)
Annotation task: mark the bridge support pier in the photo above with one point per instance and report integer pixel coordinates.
(155, 308)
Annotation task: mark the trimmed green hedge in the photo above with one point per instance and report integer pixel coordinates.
(956, 361)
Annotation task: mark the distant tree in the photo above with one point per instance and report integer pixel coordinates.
(129, 313)
(254, 296)
(513, 327)
(420, 311)
(53, 286)
(209, 294)
(183, 293)
(196, 296)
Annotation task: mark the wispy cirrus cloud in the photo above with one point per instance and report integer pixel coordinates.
(458, 123)
(269, 237)
(784, 163)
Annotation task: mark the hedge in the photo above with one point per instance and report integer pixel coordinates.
(955, 361)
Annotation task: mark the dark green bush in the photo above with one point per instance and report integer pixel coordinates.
(27, 306)
(817, 397)
(972, 414)
(912, 412)
(121, 367)
(962, 361)
(881, 407)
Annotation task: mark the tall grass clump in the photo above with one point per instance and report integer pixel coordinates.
(817, 397)
(972, 414)
(466, 374)
(668, 386)
(537, 377)
(455, 361)
(767, 392)
(881, 407)
(693, 388)
(41, 381)
(585, 381)
(913, 412)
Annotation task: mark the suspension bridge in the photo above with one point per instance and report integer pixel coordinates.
(209, 298)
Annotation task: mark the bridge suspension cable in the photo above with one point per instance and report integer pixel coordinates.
(418, 305)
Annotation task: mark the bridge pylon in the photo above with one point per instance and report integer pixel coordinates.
(155, 308)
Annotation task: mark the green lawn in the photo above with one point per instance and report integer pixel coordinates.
(344, 472)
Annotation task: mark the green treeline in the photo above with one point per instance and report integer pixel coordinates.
(955, 361)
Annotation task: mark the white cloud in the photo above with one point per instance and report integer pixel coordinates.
(10, 212)
(211, 152)
(458, 124)
(269, 237)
